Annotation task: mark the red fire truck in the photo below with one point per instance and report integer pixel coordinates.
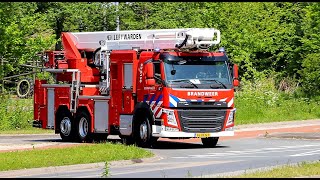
(140, 85)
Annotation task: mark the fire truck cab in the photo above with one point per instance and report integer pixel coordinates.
(141, 85)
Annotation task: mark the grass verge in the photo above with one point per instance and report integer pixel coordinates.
(91, 153)
(303, 169)
(262, 102)
(254, 111)
(28, 131)
(15, 113)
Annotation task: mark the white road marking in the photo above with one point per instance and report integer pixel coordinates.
(165, 166)
(307, 153)
(260, 152)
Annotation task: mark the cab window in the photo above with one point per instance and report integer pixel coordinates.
(157, 72)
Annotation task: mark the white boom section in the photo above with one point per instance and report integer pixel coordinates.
(147, 39)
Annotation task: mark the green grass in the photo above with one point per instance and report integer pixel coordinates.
(16, 116)
(15, 113)
(252, 111)
(30, 130)
(261, 102)
(92, 153)
(303, 169)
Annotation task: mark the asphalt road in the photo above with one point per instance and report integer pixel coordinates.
(29, 141)
(188, 158)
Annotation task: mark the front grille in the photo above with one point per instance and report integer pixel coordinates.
(195, 103)
(209, 103)
(201, 120)
(203, 104)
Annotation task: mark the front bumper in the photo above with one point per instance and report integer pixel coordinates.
(159, 131)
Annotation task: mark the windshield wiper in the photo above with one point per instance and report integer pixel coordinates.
(217, 81)
(185, 80)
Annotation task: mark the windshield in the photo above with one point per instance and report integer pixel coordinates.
(197, 72)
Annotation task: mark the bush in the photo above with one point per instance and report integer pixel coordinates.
(15, 113)
(261, 102)
(311, 75)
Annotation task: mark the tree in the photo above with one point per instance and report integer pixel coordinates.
(310, 71)
(23, 34)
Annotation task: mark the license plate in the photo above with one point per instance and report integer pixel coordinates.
(202, 135)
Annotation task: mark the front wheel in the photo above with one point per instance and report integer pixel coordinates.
(142, 133)
(210, 142)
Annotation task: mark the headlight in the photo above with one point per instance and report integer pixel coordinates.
(231, 117)
(170, 117)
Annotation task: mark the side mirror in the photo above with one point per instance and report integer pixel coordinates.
(236, 82)
(235, 71)
(149, 72)
(235, 75)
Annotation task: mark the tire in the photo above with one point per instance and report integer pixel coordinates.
(142, 133)
(210, 142)
(24, 88)
(66, 125)
(83, 124)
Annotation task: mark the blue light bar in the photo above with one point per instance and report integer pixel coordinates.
(156, 50)
(221, 49)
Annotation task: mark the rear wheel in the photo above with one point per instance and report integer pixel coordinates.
(66, 125)
(83, 126)
(210, 142)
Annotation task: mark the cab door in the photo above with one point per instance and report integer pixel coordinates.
(155, 98)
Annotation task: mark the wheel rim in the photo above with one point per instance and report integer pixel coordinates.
(143, 131)
(65, 126)
(83, 127)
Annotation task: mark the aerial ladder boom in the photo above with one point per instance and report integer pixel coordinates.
(188, 38)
